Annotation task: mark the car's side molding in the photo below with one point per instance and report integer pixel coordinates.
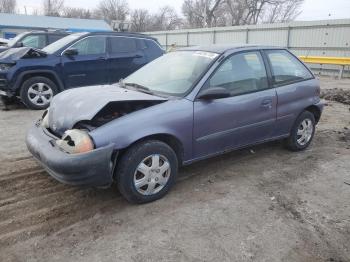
(188, 162)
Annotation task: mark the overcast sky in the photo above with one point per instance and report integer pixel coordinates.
(311, 10)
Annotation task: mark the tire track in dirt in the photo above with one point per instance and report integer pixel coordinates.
(33, 203)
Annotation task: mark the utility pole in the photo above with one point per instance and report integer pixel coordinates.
(48, 7)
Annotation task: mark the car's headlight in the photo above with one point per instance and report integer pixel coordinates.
(45, 119)
(5, 67)
(75, 141)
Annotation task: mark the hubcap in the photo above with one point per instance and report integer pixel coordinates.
(305, 131)
(152, 174)
(40, 94)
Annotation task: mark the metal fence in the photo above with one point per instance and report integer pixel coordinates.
(312, 38)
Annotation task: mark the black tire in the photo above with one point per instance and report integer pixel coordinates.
(130, 161)
(31, 82)
(292, 141)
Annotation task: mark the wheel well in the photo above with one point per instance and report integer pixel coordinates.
(315, 111)
(170, 140)
(42, 74)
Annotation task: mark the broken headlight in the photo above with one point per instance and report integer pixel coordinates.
(75, 141)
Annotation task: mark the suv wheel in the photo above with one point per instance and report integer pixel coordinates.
(37, 92)
(147, 171)
(302, 132)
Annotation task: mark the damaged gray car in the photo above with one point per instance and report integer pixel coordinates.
(183, 107)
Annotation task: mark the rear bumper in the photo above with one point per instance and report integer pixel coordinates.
(94, 168)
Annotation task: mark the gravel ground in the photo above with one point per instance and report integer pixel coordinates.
(258, 204)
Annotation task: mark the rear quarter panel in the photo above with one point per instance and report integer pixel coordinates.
(292, 100)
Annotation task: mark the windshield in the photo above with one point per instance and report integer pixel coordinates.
(15, 39)
(55, 46)
(172, 74)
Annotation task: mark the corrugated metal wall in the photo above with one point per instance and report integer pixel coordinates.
(314, 38)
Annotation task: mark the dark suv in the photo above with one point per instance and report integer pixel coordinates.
(35, 39)
(79, 59)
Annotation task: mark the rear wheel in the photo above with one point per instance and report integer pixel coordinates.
(37, 92)
(147, 171)
(302, 132)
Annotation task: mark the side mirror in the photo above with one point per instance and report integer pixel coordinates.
(214, 93)
(71, 52)
(19, 44)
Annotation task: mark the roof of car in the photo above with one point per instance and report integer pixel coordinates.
(220, 48)
(123, 34)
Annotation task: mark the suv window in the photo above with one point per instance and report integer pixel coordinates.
(54, 38)
(241, 73)
(123, 45)
(35, 41)
(91, 46)
(286, 68)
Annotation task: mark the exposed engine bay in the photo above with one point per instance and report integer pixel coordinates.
(114, 110)
(14, 54)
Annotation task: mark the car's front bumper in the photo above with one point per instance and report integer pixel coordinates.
(94, 168)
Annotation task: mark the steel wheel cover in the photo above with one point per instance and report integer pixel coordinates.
(152, 174)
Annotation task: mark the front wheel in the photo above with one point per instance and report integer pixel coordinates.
(37, 92)
(147, 171)
(302, 132)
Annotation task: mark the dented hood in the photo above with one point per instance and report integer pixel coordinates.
(75, 105)
(14, 54)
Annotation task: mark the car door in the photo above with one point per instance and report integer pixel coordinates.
(125, 57)
(246, 117)
(89, 66)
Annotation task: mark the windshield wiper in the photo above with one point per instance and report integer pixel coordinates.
(139, 87)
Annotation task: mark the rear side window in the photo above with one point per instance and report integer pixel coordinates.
(91, 46)
(152, 45)
(152, 50)
(54, 38)
(123, 45)
(286, 68)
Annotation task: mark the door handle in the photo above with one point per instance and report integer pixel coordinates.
(138, 56)
(101, 58)
(267, 103)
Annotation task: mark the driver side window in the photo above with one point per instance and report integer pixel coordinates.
(240, 74)
(91, 46)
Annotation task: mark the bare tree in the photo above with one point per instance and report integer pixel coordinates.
(201, 13)
(73, 12)
(166, 19)
(242, 12)
(282, 11)
(8, 6)
(110, 10)
(140, 20)
(53, 7)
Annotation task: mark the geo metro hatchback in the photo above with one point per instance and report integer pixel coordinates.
(185, 106)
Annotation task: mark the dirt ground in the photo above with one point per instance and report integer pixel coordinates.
(258, 204)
